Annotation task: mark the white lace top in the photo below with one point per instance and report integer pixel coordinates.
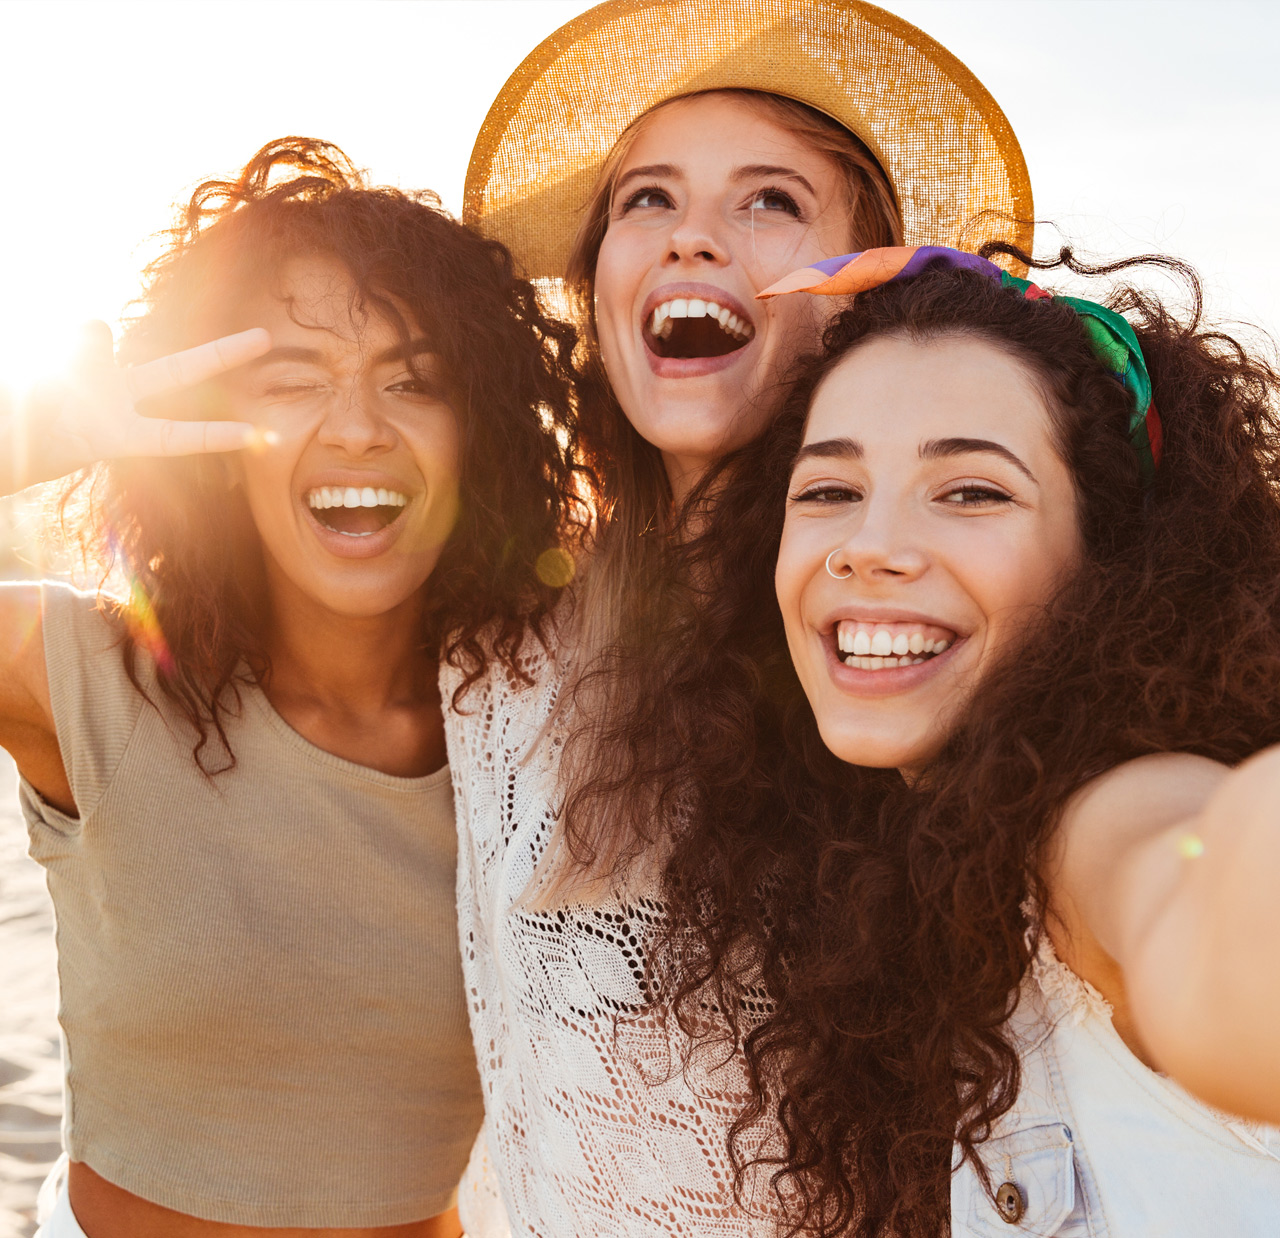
(596, 1128)
(594, 1124)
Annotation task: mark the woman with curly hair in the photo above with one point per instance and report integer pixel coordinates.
(236, 778)
(974, 729)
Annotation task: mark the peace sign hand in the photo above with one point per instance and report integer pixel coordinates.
(94, 415)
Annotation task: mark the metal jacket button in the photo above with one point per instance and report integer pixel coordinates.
(1009, 1203)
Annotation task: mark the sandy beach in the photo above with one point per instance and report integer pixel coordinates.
(30, 1069)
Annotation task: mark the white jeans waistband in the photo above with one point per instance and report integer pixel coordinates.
(54, 1208)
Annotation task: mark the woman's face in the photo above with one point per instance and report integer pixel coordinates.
(931, 471)
(713, 202)
(357, 492)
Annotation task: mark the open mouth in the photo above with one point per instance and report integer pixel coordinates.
(355, 511)
(691, 327)
(884, 646)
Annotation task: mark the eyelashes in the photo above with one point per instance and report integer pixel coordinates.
(827, 494)
(964, 495)
(790, 206)
(648, 190)
(785, 203)
(976, 496)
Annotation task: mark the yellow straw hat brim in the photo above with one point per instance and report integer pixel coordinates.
(946, 146)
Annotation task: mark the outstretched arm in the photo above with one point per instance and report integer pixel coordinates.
(1164, 883)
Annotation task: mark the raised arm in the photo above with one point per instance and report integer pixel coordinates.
(93, 415)
(98, 411)
(1164, 883)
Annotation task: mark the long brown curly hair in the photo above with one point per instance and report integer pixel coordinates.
(883, 922)
(637, 514)
(187, 542)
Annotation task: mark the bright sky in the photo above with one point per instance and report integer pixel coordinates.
(1146, 123)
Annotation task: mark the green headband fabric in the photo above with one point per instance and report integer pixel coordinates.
(1115, 344)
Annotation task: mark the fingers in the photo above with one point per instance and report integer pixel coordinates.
(185, 369)
(95, 347)
(155, 437)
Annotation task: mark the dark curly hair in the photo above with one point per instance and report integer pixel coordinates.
(189, 545)
(883, 922)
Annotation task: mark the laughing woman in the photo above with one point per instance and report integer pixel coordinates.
(717, 145)
(987, 800)
(236, 780)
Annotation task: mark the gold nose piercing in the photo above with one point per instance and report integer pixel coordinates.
(832, 574)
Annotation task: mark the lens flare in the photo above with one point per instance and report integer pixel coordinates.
(555, 567)
(138, 611)
(144, 627)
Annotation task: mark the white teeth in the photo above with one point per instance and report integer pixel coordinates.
(325, 497)
(693, 307)
(879, 648)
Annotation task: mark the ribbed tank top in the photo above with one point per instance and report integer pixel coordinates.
(260, 991)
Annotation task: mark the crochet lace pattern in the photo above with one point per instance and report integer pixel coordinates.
(597, 1120)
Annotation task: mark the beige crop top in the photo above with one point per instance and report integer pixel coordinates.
(261, 997)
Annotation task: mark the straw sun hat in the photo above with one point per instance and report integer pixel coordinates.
(945, 145)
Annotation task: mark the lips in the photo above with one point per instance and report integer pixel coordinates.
(357, 517)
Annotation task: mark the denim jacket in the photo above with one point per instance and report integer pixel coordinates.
(1100, 1146)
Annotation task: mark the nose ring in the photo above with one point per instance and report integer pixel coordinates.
(832, 574)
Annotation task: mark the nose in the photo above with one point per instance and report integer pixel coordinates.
(879, 546)
(696, 237)
(353, 426)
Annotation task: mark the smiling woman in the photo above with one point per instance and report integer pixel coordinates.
(965, 861)
(236, 777)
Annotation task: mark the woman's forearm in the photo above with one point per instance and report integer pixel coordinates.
(1199, 943)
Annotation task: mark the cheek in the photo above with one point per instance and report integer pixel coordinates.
(615, 279)
(1013, 579)
(794, 575)
(795, 327)
(266, 477)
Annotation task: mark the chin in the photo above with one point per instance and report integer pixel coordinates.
(878, 751)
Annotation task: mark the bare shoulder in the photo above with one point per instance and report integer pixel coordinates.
(24, 681)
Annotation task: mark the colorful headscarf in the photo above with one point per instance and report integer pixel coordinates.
(1111, 337)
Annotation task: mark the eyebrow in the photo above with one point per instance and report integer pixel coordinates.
(644, 172)
(314, 356)
(403, 352)
(754, 170)
(934, 449)
(938, 448)
(830, 449)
